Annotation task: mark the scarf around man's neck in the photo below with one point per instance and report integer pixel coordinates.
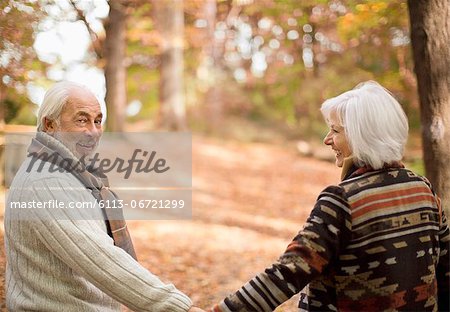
(43, 146)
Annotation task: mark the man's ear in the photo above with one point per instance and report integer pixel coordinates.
(49, 125)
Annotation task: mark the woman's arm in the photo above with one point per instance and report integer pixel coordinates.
(326, 232)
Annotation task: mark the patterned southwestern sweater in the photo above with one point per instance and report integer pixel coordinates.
(378, 241)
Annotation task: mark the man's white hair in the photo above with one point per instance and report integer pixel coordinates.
(54, 100)
(375, 124)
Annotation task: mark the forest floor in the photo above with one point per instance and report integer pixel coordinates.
(249, 201)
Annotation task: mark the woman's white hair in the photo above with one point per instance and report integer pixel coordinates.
(54, 100)
(375, 124)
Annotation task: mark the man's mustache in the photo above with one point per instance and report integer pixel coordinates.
(90, 142)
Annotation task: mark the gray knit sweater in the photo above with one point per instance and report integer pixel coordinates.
(72, 265)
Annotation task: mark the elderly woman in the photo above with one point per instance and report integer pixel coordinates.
(378, 240)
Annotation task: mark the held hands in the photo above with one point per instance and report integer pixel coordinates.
(195, 309)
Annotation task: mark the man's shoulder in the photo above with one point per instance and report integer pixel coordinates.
(33, 180)
(35, 172)
(51, 190)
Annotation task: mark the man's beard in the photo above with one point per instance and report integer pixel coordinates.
(81, 145)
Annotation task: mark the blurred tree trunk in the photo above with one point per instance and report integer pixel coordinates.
(430, 37)
(213, 73)
(2, 106)
(115, 70)
(170, 23)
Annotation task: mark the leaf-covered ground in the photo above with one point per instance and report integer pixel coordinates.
(249, 200)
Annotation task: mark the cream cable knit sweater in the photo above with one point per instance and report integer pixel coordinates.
(72, 265)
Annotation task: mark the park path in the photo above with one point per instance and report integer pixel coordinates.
(249, 201)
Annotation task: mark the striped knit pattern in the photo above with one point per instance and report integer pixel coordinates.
(377, 242)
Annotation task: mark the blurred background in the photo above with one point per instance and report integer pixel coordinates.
(252, 70)
(246, 77)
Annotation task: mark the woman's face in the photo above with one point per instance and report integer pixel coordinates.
(337, 140)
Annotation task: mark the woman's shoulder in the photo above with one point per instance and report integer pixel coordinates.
(333, 191)
(379, 179)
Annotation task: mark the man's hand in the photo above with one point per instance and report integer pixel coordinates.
(195, 309)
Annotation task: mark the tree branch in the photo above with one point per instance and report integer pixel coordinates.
(96, 44)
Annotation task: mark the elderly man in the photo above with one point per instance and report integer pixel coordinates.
(83, 261)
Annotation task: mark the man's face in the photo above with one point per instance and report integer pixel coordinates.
(80, 123)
